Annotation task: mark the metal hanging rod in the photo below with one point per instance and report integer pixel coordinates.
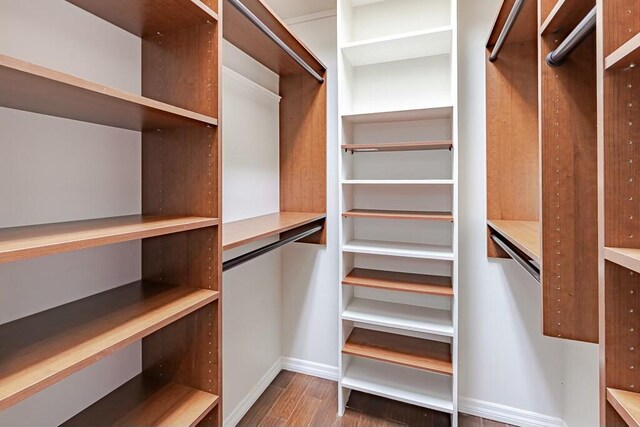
(508, 26)
(258, 23)
(232, 263)
(556, 57)
(526, 264)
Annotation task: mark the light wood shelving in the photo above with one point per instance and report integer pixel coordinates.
(145, 401)
(625, 56)
(626, 257)
(525, 235)
(40, 350)
(426, 355)
(20, 243)
(627, 404)
(399, 146)
(405, 215)
(403, 282)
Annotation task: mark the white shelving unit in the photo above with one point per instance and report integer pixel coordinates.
(398, 85)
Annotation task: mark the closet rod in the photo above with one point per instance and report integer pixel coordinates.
(232, 263)
(508, 26)
(258, 23)
(556, 57)
(533, 271)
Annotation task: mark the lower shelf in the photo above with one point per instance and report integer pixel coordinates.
(626, 257)
(627, 404)
(426, 355)
(405, 215)
(400, 282)
(400, 249)
(146, 402)
(525, 235)
(395, 382)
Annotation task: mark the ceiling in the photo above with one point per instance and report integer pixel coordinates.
(288, 9)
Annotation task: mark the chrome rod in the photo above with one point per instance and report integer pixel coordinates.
(556, 57)
(508, 26)
(258, 23)
(533, 271)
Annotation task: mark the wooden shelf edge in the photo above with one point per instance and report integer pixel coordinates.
(400, 282)
(410, 352)
(625, 55)
(525, 235)
(628, 258)
(240, 233)
(146, 401)
(398, 182)
(626, 404)
(399, 146)
(427, 112)
(20, 243)
(402, 215)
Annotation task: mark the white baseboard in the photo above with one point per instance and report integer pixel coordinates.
(314, 369)
(507, 414)
(243, 407)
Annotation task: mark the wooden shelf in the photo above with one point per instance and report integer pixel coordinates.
(379, 116)
(626, 257)
(397, 182)
(401, 249)
(416, 44)
(405, 215)
(240, 233)
(565, 15)
(426, 355)
(411, 386)
(625, 55)
(146, 402)
(400, 316)
(525, 235)
(19, 243)
(42, 349)
(399, 146)
(144, 17)
(401, 282)
(626, 404)
(29, 87)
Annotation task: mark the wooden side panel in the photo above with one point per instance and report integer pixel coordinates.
(303, 147)
(621, 23)
(569, 192)
(525, 28)
(512, 136)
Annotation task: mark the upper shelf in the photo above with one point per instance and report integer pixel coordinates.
(29, 87)
(426, 113)
(625, 55)
(417, 44)
(32, 241)
(566, 14)
(525, 27)
(399, 146)
(242, 33)
(240, 233)
(143, 17)
(525, 235)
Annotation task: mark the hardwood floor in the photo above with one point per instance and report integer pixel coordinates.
(298, 400)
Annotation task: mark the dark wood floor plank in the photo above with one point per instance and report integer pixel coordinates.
(288, 400)
(304, 412)
(271, 421)
(321, 388)
(283, 379)
(261, 408)
(469, 421)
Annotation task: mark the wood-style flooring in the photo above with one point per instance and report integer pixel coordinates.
(298, 400)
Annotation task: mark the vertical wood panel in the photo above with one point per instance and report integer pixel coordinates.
(621, 23)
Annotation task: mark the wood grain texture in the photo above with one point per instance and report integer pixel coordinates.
(40, 350)
(569, 209)
(147, 402)
(621, 23)
(626, 257)
(525, 235)
(426, 355)
(625, 56)
(627, 404)
(405, 215)
(240, 233)
(525, 28)
(399, 146)
(20, 243)
(563, 14)
(29, 87)
(146, 17)
(401, 282)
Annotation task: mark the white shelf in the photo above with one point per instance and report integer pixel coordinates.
(404, 384)
(416, 44)
(397, 182)
(400, 316)
(430, 112)
(399, 249)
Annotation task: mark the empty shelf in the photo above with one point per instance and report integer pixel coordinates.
(417, 44)
(395, 382)
(406, 215)
(402, 282)
(29, 87)
(566, 14)
(626, 257)
(146, 402)
(240, 233)
(400, 316)
(426, 355)
(399, 146)
(397, 182)
(143, 17)
(525, 235)
(42, 349)
(409, 250)
(19, 243)
(426, 113)
(628, 53)
(626, 404)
